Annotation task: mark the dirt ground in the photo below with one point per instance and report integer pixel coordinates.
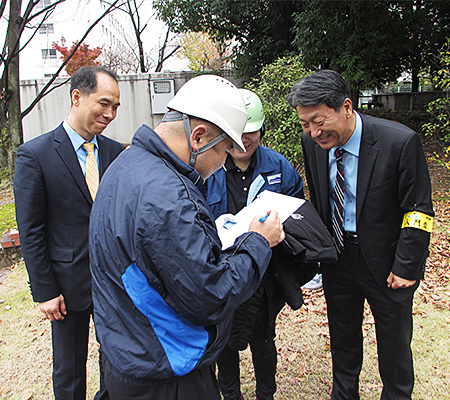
(304, 362)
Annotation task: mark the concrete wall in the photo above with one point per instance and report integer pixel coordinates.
(135, 108)
(407, 100)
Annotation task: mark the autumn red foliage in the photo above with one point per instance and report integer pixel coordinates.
(83, 56)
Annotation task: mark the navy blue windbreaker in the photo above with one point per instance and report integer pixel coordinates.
(272, 172)
(163, 290)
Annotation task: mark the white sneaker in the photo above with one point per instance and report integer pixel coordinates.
(314, 284)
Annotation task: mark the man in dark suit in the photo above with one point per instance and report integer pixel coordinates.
(381, 228)
(53, 204)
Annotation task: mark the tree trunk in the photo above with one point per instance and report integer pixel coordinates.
(141, 54)
(414, 80)
(355, 97)
(12, 87)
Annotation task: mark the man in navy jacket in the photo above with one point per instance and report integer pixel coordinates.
(163, 290)
(53, 204)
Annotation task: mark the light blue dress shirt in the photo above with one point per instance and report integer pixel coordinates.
(350, 159)
(77, 143)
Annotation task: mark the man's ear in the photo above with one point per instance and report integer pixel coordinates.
(199, 135)
(348, 107)
(76, 97)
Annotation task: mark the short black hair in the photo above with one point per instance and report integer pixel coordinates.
(85, 78)
(322, 87)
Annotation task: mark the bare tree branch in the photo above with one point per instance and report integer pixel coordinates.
(36, 29)
(56, 87)
(25, 19)
(133, 13)
(45, 9)
(2, 7)
(3, 54)
(45, 90)
(161, 57)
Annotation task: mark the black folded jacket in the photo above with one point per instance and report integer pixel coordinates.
(296, 260)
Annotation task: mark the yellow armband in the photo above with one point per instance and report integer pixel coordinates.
(415, 219)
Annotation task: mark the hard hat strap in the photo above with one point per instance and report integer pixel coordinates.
(171, 116)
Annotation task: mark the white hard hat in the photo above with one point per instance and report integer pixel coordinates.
(214, 99)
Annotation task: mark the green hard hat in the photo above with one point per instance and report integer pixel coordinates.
(255, 111)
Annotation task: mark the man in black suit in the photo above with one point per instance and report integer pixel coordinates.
(53, 204)
(381, 229)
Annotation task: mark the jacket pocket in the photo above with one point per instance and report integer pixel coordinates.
(387, 185)
(214, 198)
(64, 254)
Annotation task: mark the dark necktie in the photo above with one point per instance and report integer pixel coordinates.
(338, 213)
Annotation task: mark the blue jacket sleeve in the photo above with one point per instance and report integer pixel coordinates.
(183, 259)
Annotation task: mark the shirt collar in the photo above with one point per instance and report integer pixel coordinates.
(230, 165)
(75, 138)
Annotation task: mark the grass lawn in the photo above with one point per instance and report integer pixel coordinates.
(304, 362)
(7, 217)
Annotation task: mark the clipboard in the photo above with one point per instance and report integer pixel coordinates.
(230, 230)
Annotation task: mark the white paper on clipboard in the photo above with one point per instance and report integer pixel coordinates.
(266, 201)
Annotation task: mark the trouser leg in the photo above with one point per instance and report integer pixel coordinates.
(199, 384)
(70, 346)
(345, 305)
(393, 324)
(229, 375)
(264, 354)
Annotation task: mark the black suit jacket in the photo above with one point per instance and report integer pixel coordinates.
(392, 180)
(53, 205)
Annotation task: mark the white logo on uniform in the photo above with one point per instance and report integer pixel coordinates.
(274, 179)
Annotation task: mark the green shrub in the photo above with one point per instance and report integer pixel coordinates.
(439, 109)
(283, 129)
(6, 177)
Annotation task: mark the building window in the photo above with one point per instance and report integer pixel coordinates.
(46, 29)
(43, 3)
(48, 53)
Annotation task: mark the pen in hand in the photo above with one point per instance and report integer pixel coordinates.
(269, 226)
(262, 219)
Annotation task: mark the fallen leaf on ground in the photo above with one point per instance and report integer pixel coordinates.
(302, 370)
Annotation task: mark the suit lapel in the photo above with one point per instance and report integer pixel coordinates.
(368, 154)
(322, 170)
(66, 152)
(101, 155)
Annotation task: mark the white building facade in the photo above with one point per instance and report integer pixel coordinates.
(143, 100)
(70, 20)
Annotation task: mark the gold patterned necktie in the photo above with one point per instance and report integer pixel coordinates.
(92, 177)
